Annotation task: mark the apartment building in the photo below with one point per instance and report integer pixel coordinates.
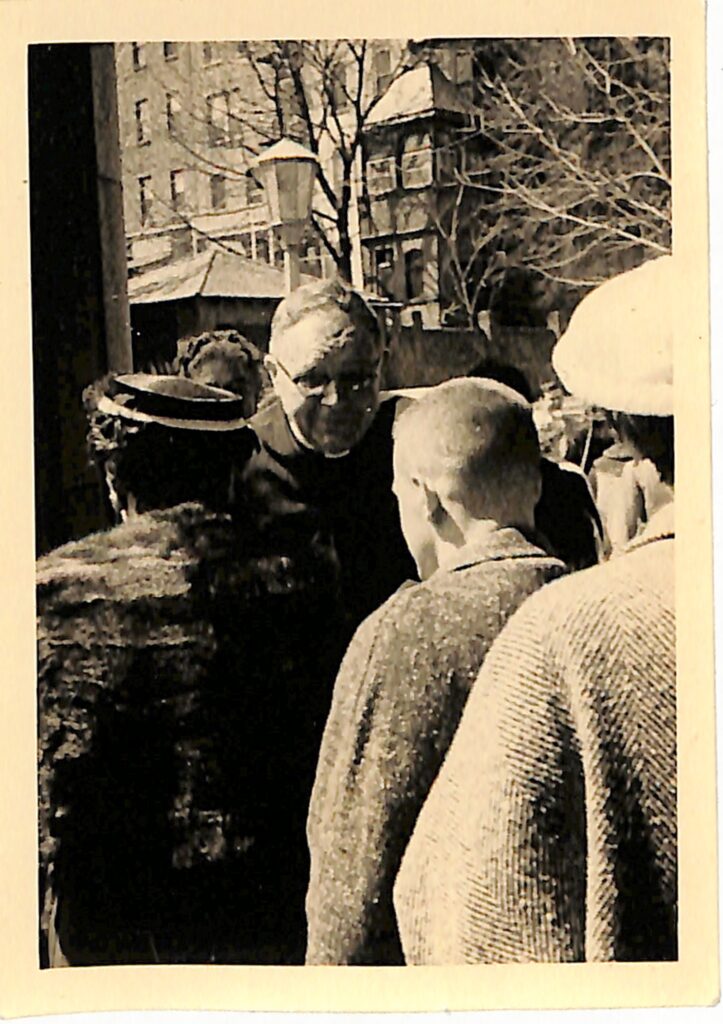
(194, 114)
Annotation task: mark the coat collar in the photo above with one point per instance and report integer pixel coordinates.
(661, 526)
(501, 543)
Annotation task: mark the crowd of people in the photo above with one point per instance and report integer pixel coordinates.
(363, 677)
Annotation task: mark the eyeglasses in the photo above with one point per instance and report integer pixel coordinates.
(318, 386)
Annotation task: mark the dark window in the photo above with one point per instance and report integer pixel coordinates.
(262, 249)
(311, 261)
(463, 69)
(218, 190)
(146, 199)
(143, 128)
(414, 273)
(383, 264)
(217, 118)
(337, 87)
(139, 55)
(173, 109)
(417, 162)
(254, 191)
(178, 189)
(235, 118)
(383, 69)
(170, 51)
(381, 176)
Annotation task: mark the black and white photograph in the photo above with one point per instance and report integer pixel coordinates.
(355, 439)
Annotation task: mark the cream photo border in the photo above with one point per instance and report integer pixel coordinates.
(693, 979)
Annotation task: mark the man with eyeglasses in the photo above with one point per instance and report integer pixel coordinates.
(323, 474)
(315, 505)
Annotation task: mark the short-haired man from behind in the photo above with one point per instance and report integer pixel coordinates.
(466, 476)
(550, 833)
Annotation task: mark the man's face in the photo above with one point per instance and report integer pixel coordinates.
(332, 397)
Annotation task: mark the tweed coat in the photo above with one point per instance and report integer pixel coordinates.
(550, 833)
(397, 700)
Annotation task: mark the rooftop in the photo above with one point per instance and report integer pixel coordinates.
(424, 91)
(216, 273)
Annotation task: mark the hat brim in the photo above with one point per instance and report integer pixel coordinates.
(113, 408)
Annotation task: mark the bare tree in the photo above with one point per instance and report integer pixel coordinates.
(319, 92)
(324, 92)
(575, 182)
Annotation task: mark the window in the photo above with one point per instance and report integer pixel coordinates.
(178, 189)
(337, 87)
(235, 118)
(463, 67)
(170, 51)
(262, 248)
(414, 273)
(217, 118)
(209, 53)
(173, 109)
(143, 127)
(254, 191)
(417, 162)
(383, 265)
(383, 69)
(139, 55)
(146, 199)
(311, 261)
(380, 175)
(218, 190)
(451, 159)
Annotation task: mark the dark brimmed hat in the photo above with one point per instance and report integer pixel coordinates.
(171, 401)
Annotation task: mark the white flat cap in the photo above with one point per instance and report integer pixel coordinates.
(617, 351)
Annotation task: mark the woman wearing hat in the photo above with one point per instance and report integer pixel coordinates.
(164, 752)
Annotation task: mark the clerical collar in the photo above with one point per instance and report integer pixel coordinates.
(299, 437)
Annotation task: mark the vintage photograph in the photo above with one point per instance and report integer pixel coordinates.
(354, 434)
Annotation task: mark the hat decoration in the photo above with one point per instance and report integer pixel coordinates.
(172, 401)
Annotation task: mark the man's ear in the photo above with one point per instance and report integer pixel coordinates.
(442, 512)
(435, 510)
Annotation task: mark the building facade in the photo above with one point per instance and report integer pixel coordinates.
(194, 115)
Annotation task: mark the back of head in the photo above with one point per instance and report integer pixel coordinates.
(150, 450)
(223, 359)
(331, 299)
(504, 374)
(473, 442)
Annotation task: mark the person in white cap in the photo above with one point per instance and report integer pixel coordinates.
(550, 833)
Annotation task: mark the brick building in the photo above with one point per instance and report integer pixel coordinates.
(193, 115)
